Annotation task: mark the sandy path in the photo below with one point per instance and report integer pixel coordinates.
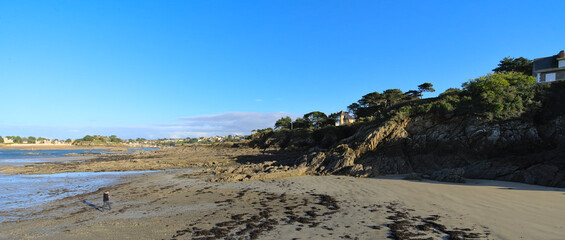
(164, 206)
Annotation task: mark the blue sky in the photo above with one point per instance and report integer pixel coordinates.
(158, 69)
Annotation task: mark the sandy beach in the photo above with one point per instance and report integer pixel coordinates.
(186, 204)
(170, 205)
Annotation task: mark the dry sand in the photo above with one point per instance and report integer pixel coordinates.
(172, 205)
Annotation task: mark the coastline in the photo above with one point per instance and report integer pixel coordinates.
(20, 203)
(161, 159)
(177, 205)
(24, 162)
(52, 147)
(224, 192)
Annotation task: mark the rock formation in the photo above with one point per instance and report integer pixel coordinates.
(440, 147)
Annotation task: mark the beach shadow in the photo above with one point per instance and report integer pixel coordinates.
(499, 184)
(280, 157)
(92, 205)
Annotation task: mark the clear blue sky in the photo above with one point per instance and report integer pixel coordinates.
(198, 68)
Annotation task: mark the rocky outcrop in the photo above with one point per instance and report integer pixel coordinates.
(515, 150)
(252, 172)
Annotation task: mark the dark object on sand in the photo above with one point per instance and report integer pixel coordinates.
(106, 200)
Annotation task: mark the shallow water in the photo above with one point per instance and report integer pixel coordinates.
(18, 192)
(11, 157)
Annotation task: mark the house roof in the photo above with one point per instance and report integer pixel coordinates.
(561, 55)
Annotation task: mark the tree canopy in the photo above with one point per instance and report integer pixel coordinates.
(301, 123)
(501, 94)
(373, 103)
(317, 118)
(521, 65)
(426, 87)
(284, 122)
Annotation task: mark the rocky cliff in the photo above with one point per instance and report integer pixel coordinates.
(448, 138)
(438, 146)
(468, 147)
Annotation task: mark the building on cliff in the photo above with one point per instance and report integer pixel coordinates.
(344, 119)
(550, 69)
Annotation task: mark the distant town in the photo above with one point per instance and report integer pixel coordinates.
(113, 140)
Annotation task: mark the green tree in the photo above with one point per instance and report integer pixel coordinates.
(373, 103)
(371, 100)
(302, 123)
(68, 140)
(317, 118)
(88, 138)
(425, 87)
(284, 122)
(1, 139)
(521, 65)
(31, 139)
(333, 118)
(450, 91)
(413, 94)
(501, 95)
(354, 108)
(115, 139)
(393, 96)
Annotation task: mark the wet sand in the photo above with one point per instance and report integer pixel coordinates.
(177, 205)
(173, 158)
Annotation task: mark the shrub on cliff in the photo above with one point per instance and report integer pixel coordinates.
(501, 95)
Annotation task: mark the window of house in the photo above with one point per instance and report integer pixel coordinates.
(550, 77)
(560, 75)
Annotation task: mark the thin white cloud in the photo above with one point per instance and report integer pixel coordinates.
(234, 123)
(229, 123)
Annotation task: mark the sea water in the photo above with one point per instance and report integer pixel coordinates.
(21, 192)
(18, 157)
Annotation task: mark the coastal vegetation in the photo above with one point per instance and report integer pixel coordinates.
(199, 140)
(114, 141)
(501, 125)
(506, 93)
(97, 140)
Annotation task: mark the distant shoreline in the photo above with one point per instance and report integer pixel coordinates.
(51, 147)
